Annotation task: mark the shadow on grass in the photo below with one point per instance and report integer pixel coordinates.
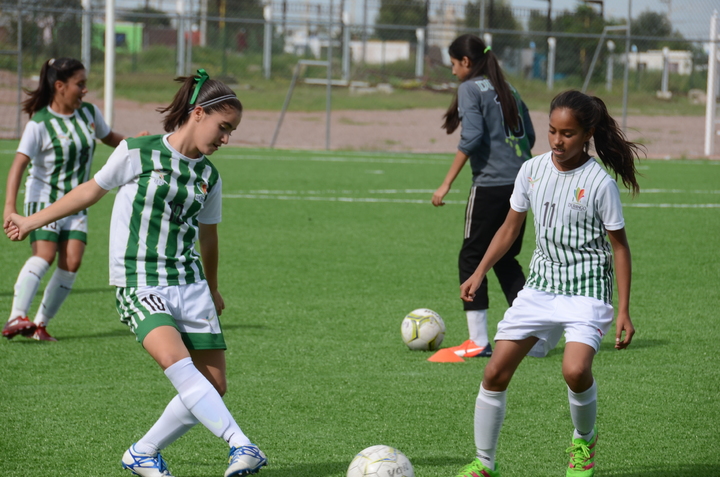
(76, 291)
(679, 470)
(637, 343)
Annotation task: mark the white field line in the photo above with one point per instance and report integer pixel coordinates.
(370, 160)
(316, 198)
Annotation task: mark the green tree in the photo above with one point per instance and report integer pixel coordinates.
(407, 13)
(573, 54)
(233, 32)
(498, 16)
(650, 23)
(51, 28)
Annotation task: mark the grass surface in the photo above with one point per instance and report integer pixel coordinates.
(322, 256)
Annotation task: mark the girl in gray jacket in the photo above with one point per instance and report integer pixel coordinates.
(496, 136)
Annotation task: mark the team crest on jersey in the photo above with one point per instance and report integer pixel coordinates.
(158, 177)
(532, 181)
(201, 189)
(576, 203)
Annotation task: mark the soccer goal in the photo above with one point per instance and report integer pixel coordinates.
(300, 67)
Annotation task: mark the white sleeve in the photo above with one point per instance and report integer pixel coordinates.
(520, 200)
(609, 206)
(211, 213)
(121, 167)
(31, 141)
(101, 127)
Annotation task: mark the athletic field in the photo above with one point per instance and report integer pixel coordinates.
(322, 254)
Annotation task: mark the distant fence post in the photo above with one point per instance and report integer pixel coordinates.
(420, 53)
(180, 10)
(346, 46)
(86, 33)
(267, 42)
(712, 87)
(552, 43)
(665, 71)
(610, 65)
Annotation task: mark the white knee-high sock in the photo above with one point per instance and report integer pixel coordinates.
(175, 421)
(489, 417)
(57, 289)
(27, 284)
(477, 326)
(204, 402)
(583, 410)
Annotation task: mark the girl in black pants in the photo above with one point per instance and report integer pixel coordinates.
(496, 136)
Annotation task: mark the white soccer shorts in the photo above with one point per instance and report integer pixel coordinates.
(546, 315)
(188, 308)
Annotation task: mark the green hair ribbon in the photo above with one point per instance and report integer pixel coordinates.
(203, 77)
(487, 48)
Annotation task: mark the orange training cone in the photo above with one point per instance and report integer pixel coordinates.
(446, 355)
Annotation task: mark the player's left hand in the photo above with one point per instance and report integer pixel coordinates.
(219, 302)
(143, 133)
(623, 324)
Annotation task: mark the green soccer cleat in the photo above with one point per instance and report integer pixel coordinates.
(582, 457)
(477, 469)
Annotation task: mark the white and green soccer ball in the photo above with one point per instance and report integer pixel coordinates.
(380, 461)
(423, 329)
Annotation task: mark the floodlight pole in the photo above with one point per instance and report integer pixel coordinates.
(109, 94)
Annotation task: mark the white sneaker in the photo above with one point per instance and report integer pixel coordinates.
(144, 465)
(245, 460)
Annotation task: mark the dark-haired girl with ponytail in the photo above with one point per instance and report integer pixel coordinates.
(57, 149)
(496, 137)
(168, 205)
(576, 205)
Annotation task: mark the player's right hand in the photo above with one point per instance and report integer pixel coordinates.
(470, 286)
(13, 228)
(439, 195)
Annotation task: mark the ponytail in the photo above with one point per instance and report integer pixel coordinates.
(198, 90)
(60, 69)
(483, 62)
(610, 143)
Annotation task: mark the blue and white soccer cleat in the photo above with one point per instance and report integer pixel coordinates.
(245, 460)
(144, 465)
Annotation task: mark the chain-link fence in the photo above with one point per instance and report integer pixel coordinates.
(394, 43)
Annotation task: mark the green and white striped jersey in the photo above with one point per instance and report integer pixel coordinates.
(162, 197)
(573, 211)
(60, 148)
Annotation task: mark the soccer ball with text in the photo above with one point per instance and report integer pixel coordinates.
(380, 461)
(423, 329)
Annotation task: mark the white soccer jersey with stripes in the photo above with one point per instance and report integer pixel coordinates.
(162, 197)
(60, 148)
(572, 212)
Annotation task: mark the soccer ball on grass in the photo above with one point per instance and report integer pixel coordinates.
(380, 461)
(423, 329)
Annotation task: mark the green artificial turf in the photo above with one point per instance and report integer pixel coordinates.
(322, 254)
